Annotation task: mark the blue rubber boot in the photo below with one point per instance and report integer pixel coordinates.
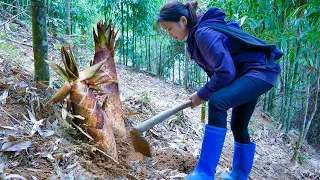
(242, 162)
(212, 145)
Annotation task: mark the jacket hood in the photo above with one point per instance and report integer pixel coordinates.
(214, 14)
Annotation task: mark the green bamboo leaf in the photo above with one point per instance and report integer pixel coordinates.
(298, 10)
(315, 14)
(59, 70)
(284, 43)
(299, 56)
(242, 20)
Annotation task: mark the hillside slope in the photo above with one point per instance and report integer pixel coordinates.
(54, 151)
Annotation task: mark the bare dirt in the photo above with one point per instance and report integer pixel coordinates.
(175, 143)
(165, 160)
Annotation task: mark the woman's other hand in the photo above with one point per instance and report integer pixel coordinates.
(196, 100)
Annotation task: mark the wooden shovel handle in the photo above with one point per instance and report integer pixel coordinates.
(149, 123)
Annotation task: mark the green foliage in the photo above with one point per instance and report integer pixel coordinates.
(146, 98)
(303, 159)
(85, 16)
(250, 130)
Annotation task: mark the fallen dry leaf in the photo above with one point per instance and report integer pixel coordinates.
(13, 176)
(5, 85)
(58, 157)
(3, 97)
(15, 71)
(131, 113)
(11, 138)
(19, 146)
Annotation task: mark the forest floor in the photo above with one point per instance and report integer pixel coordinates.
(37, 143)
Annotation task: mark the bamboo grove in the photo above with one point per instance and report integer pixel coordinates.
(292, 25)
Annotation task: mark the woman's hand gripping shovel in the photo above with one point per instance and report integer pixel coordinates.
(139, 143)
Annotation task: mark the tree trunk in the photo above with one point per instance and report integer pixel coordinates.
(272, 95)
(49, 14)
(127, 52)
(15, 8)
(165, 62)
(122, 33)
(286, 87)
(192, 76)
(133, 37)
(146, 45)
(199, 75)
(293, 85)
(173, 65)
(40, 42)
(156, 61)
(149, 52)
(179, 71)
(314, 134)
(105, 10)
(68, 18)
(186, 67)
(133, 48)
(307, 117)
(141, 53)
(54, 27)
(314, 110)
(265, 102)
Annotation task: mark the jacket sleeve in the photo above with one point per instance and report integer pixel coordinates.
(215, 53)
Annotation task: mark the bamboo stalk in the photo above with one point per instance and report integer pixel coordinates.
(302, 129)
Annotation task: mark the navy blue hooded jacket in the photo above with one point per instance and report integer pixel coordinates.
(224, 58)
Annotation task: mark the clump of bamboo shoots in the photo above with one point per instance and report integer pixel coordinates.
(79, 87)
(105, 46)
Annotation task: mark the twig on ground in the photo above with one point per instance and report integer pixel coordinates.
(13, 118)
(19, 42)
(81, 130)
(88, 146)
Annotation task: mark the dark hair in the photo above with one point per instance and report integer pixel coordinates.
(173, 10)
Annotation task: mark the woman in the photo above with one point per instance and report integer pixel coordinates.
(241, 68)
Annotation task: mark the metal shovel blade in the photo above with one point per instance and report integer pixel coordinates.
(140, 144)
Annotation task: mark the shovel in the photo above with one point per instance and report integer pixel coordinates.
(140, 144)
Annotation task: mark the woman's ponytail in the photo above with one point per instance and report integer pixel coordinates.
(173, 10)
(192, 7)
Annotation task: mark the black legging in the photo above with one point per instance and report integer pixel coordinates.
(242, 96)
